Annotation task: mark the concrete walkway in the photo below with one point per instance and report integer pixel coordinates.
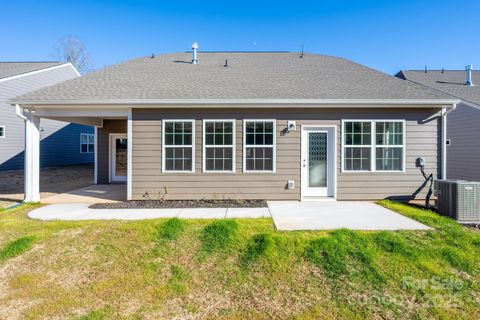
(328, 215)
(80, 211)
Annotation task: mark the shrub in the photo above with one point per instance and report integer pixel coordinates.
(219, 234)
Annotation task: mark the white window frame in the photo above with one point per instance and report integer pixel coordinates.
(192, 121)
(373, 146)
(274, 145)
(4, 132)
(233, 146)
(88, 143)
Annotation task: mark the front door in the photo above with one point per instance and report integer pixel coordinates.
(318, 161)
(118, 157)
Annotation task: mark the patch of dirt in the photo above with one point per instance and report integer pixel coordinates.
(53, 181)
(154, 204)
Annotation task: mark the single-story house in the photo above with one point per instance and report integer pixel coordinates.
(249, 125)
(463, 135)
(62, 143)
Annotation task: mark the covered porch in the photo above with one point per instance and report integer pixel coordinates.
(112, 147)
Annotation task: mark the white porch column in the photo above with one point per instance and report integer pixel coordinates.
(32, 158)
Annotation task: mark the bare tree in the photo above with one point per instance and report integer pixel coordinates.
(72, 49)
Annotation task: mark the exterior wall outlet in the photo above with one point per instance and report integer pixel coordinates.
(290, 184)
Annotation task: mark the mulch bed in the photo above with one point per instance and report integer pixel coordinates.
(157, 204)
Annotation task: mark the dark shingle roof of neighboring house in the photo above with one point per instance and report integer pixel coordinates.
(248, 76)
(452, 82)
(10, 69)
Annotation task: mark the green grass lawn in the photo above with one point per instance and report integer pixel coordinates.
(235, 269)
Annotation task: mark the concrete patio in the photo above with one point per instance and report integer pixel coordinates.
(328, 215)
(97, 193)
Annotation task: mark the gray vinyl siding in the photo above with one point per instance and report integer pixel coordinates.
(103, 147)
(463, 155)
(60, 141)
(422, 140)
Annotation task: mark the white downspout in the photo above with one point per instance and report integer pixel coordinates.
(31, 155)
(129, 154)
(445, 112)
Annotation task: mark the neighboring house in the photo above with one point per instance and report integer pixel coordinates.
(61, 141)
(463, 134)
(262, 125)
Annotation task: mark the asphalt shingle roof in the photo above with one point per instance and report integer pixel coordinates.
(258, 75)
(10, 69)
(452, 82)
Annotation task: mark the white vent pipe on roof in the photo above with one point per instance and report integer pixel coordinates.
(194, 53)
(469, 75)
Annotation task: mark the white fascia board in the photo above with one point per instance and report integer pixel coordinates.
(41, 70)
(276, 103)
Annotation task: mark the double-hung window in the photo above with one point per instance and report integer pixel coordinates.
(259, 146)
(219, 145)
(87, 143)
(178, 146)
(373, 145)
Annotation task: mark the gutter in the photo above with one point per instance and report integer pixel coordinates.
(275, 102)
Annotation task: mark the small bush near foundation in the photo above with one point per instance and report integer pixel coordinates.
(16, 248)
(170, 230)
(219, 234)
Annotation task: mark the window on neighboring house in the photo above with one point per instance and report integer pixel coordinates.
(373, 145)
(178, 146)
(259, 146)
(87, 143)
(2, 131)
(219, 145)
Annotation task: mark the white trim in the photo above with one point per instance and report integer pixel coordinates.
(335, 159)
(274, 145)
(95, 175)
(129, 154)
(88, 143)
(373, 146)
(276, 102)
(111, 165)
(39, 71)
(4, 135)
(192, 121)
(233, 146)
